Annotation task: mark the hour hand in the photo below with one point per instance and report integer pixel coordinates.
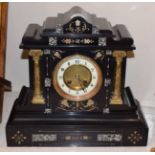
(82, 83)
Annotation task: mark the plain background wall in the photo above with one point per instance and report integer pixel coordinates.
(138, 17)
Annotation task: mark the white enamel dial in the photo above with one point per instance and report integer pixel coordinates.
(77, 78)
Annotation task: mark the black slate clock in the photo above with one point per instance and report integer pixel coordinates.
(77, 94)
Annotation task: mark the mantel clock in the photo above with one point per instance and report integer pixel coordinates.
(77, 94)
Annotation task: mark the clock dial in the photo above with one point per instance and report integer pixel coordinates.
(77, 78)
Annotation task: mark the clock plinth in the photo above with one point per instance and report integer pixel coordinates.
(116, 100)
(77, 94)
(38, 99)
(115, 128)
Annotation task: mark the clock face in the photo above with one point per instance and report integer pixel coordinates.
(77, 78)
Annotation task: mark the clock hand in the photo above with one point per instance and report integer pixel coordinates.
(82, 84)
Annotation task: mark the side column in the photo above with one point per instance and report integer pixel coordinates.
(117, 97)
(37, 94)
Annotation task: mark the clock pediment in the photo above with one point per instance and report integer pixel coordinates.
(77, 28)
(76, 21)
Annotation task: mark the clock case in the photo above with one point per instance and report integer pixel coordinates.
(51, 124)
